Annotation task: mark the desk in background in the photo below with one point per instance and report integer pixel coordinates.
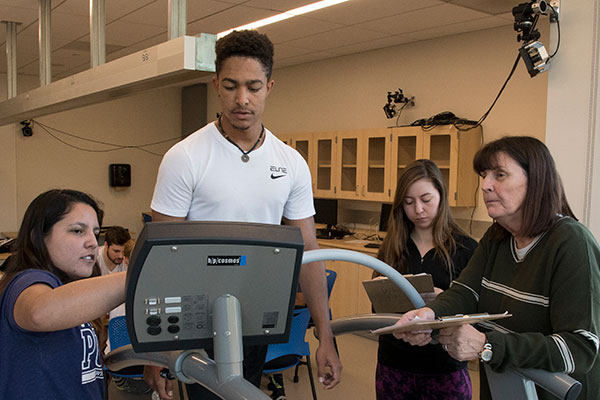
(6, 235)
(348, 296)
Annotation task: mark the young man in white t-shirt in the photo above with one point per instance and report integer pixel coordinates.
(234, 169)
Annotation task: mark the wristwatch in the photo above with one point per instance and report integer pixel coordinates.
(486, 353)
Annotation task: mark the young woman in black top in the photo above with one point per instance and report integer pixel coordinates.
(422, 237)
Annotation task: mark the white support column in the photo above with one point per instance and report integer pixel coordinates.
(11, 58)
(177, 18)
(97, 36)
(44, 42)
(573, 109)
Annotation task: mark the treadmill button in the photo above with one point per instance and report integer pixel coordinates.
(154, 330)
(153, 320)
(172, 300)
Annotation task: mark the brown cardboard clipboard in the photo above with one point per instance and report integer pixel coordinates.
(386, 297)
(443, 322)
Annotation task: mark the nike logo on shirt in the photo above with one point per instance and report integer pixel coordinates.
(273, 176)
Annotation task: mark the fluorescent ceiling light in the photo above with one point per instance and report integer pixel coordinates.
(285, 15)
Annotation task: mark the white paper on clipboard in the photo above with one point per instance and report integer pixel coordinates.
(439, 323)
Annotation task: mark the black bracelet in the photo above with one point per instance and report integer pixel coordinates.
(165, 373)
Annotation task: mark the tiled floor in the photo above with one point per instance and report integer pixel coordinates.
(358, 354)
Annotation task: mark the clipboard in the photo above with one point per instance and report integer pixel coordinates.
(439, 323)
(386, 297)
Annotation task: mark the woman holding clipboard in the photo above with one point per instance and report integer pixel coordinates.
(536, 262)
(422, 238)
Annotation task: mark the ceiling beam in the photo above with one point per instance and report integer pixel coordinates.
(180, 61)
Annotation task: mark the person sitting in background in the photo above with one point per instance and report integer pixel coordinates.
(127, 250)
(535, 261)
(422, 238)
(110, 260)
(46, 302)
(110, 255)
(129, 384)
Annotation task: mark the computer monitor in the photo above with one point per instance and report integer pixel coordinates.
(326, 213)
(384, 218)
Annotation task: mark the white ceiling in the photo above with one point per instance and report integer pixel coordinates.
(351, 27)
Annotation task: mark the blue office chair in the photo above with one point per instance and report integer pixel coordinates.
(282, 356)
(331, 277)
(128, 379)
(146, 217)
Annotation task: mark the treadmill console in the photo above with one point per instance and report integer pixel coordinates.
(178, 269)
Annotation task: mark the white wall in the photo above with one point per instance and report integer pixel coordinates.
(41, 162)
(8, 179)
(573, 121)
(9, 222)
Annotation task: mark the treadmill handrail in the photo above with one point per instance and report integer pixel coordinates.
(188, 366)
(203, 369)
(368, 261)
(125, 357)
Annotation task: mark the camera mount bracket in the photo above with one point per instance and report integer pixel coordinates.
(397, 98)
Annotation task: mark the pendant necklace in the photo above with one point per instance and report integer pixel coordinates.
(245, 156)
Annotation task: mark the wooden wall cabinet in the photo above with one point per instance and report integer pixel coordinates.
(287, 139)
(366, 164)
(320, 153)
(364, 157)
(324, 170)
(452, 150)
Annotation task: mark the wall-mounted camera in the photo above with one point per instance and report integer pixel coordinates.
(397, 98)
(26, 129)
(526, 16)
(535, 57)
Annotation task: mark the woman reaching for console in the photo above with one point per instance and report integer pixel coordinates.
(49, 348)
(537, 262)
(422, 238)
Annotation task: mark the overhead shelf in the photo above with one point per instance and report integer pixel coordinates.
(180, 61)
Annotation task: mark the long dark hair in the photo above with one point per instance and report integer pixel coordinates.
(545, 196)
(393, 250)
(42, 214)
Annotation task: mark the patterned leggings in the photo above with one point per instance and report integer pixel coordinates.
(394, 384)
